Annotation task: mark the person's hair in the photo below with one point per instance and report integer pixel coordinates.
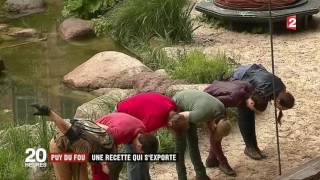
(179, 123)
(260, 102)
(286, 100)
(149, 143)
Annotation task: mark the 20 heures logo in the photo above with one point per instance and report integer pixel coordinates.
(36, 157)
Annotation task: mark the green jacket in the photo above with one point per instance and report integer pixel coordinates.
(202, 106)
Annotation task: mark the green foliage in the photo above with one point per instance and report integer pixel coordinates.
(196, 67)
(136, 21)
(166, 140)
(102, 26)
(14, 141)
(154, 58)
(87, 9)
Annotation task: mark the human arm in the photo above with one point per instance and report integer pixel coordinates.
(61, 124)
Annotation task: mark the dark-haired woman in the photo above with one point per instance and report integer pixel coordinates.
(232, 94)
(262, 80)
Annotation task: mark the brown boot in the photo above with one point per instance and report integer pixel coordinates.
(253, 153)
(212, 163)
(227, 169)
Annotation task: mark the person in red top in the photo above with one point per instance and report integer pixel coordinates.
(155, 111)
(84, 136)
(124, 129)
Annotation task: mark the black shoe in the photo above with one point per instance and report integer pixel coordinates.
(227, 169)
(212, 163)
(253, 153)
(202, 177)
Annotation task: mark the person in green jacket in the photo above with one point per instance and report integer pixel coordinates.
(198, 107)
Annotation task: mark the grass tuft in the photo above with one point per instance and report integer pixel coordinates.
(196, 67)
(14, 141)
(166, 140)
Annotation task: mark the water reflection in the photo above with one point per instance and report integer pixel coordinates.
(16, 100)
(35, 70)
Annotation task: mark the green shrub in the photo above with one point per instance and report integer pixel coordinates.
(196, 67)
(87, 9)
(166, 140)
(139, 20)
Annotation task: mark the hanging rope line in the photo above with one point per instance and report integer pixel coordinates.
(273, 84)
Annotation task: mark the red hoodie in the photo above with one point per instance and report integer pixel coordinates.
(123, 128)
(151, 108)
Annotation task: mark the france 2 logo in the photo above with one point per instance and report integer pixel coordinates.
(36, 157)
(292, 22)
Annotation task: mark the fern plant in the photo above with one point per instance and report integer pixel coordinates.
(87, 9)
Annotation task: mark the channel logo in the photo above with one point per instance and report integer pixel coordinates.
(36, 157)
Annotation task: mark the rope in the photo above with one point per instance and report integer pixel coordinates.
(273, 84)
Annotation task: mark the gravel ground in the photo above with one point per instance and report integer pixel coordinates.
(297, 60)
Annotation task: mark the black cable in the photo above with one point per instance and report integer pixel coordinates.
(273, 84)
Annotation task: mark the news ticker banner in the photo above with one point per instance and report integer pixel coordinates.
(114, 157)
(123, 157)
(39, 157)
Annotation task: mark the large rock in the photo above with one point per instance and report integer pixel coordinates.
(162, 72)
(153, 82)
(118, 92)
(101, 105)
(75, 28)
(176, 88)
(22, 6)
(107, 69)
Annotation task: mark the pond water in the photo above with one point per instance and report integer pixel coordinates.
(35, 69)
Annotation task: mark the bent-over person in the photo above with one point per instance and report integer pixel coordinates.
(102, 136)
(231, 94)
(262, 80)
(198, 107)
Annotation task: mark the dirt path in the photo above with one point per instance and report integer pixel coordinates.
(297, 60)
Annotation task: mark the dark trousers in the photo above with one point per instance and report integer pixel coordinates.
(190, 140)
(246, 124)
(136, 170)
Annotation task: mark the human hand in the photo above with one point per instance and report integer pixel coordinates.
(42, 110)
